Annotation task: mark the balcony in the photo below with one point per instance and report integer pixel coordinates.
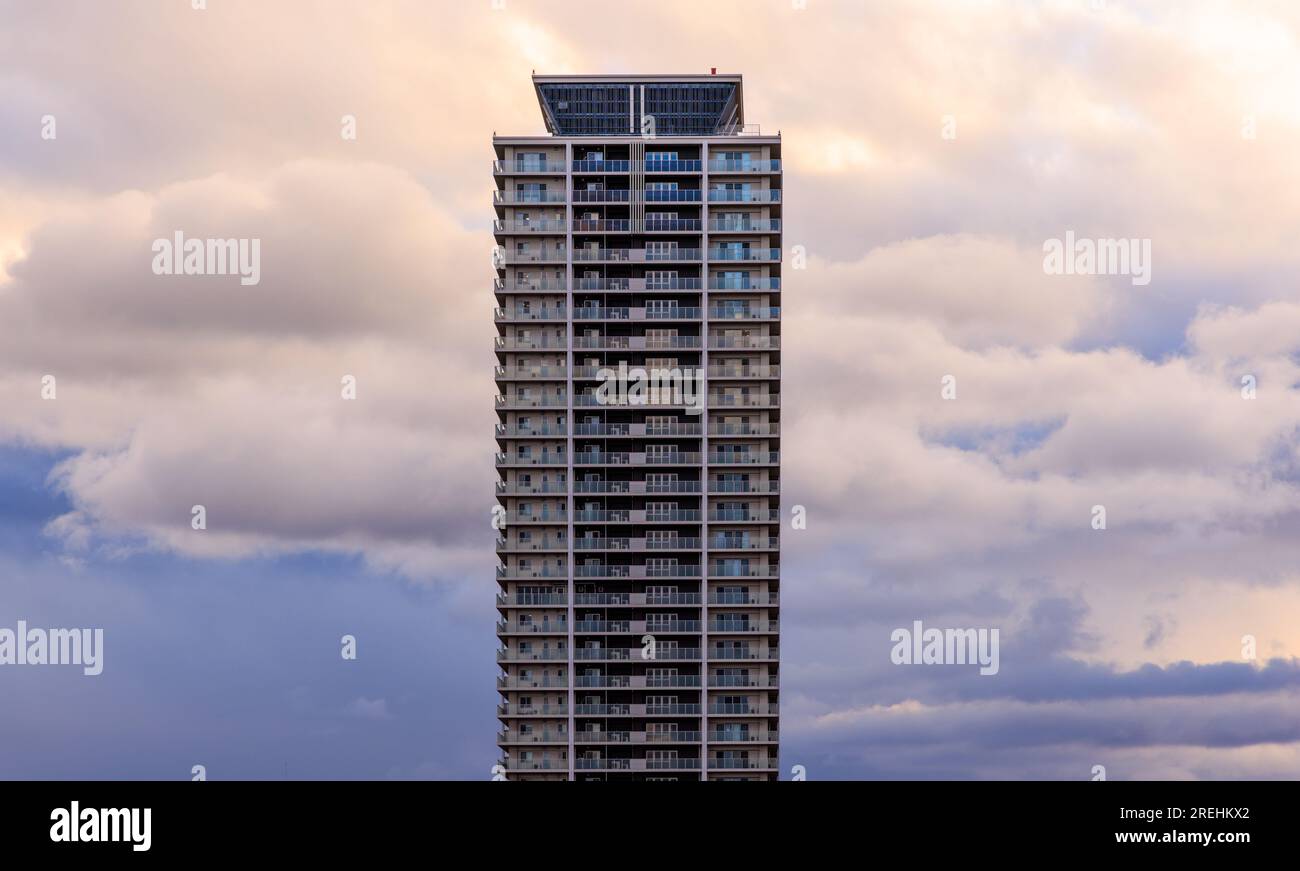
(735, 681)
(625, 313)
(530, 431)
(635, 343)
(672, 196)
(636, 487)
(676, 166)
(746, 458)
(743, 654)
(673, 710)
(743, 225)
(626, 737)
(531, 402)
(741, 400)
(605, 195)
(637, 681)
(623, 710)
(635, 545)
(637, 764)
(506, 573)
(629, 429)
(550, 545)
(649, 225)
(717, 195)
(724, 570)
(526, 599)
(603, 570)
(741, 710)
(679, 515)
(525, 198)
(522, 285)
(635, 458)
(745, 166)
(745, 515)
(544, 255)
(744, 313)
(623, 195)
(734, 737)
(516, 738)
(635, 654)
(756, 371)
(744, 486)
(528, 167)
(517, 517)
(724, 763)
(508, 709)
(747, 255)
(635, 255)
(541, 343)
(605, 166)
(544, 459)
(521, 314)
(517, 227)
(504, 373)
(534, 765)
(744, 429)
(549, 655)
(744, 343)
(753, 599)
(737, 542)
(623, 167)
(636, 600)
(635, 627)
(543, 628)
(637, 284)
(740, 627)
(721, 283)
(532, 683)
(672, 225)
(507, 488)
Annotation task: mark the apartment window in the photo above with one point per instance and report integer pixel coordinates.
(660, 279)
(660, 307)
(660, 338)
(735, 280)
(660, 482)
(661, 567)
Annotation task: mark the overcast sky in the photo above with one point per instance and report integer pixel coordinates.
(1174, 123)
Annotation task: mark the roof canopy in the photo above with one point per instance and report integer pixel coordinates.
(704, 105)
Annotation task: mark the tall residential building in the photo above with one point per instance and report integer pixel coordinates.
(640, 241)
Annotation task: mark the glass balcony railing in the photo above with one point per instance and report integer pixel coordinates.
(745, 254)
(726, 195)
(743, 283)
(745, 225)
(525, 197)
(744, 166)
(509, 167)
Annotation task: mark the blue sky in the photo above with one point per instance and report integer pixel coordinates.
(236, 665)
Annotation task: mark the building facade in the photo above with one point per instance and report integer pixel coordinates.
(639, 428)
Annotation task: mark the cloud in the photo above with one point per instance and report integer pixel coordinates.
(924, 261)
(369, 709)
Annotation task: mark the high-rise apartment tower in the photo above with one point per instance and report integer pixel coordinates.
(639, 432)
